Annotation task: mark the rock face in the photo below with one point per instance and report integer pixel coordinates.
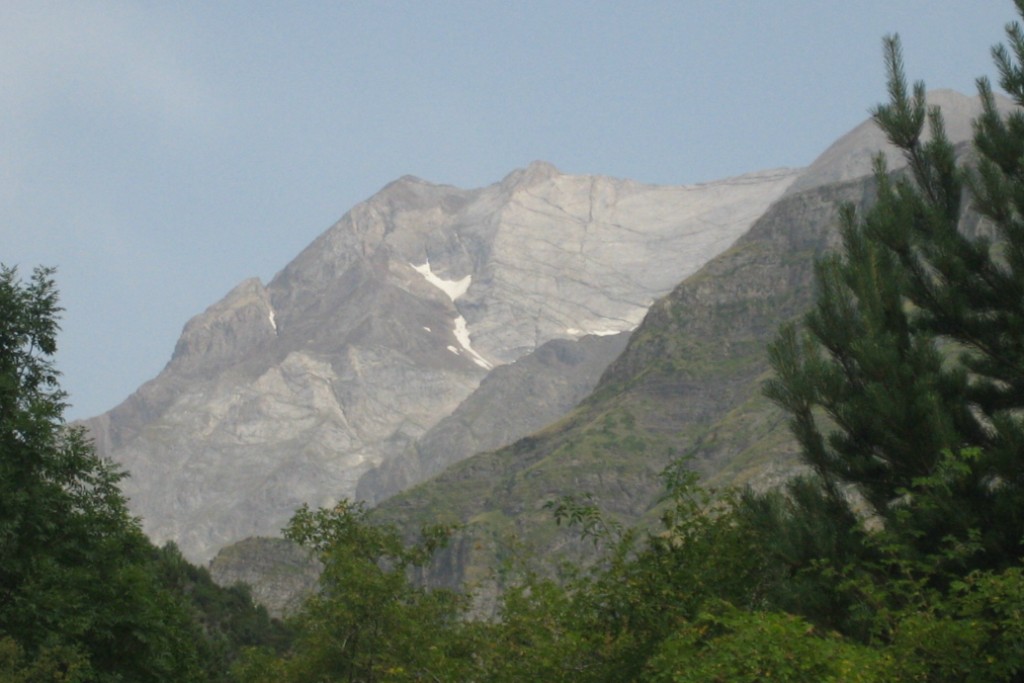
(279, 573)
(511, 402)
(336, 376)
(688, 383)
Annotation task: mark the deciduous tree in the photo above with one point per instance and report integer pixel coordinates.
(76, 587)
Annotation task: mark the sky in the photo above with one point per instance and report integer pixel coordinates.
(159, 153)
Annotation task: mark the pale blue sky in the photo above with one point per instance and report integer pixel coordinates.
(158, 153)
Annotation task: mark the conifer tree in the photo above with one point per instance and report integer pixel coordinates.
(906, 380)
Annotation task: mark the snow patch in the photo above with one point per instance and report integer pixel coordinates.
(453, 288)
(601, 332)
(426, 328)
(462, 334)
(273, 321)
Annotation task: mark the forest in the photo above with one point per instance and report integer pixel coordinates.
(897, 557)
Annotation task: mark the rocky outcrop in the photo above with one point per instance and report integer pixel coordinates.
(688, 384)
(511, 402)
(279, 573)
(852, 156)
(337, 373)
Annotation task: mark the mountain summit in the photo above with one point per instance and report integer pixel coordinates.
(325, 380)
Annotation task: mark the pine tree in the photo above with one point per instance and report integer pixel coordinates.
(906, 380)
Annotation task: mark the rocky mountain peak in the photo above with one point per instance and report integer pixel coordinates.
(387, 323)
(535, 172)
(688, 383)
(852, 156)
(227, 331)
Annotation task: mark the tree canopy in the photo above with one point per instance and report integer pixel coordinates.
(84, 596)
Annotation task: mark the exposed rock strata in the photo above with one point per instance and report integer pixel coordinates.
(510, 403)
(688, 383)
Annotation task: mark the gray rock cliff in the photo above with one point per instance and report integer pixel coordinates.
(511, 402)
(279, 573)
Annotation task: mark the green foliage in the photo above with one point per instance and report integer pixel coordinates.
(903, 387)
(77, 590)
(583, 513)
(802, 534)
(49, 665)
(83, 594)
(727, 644)
(541, 635)
(747, 588)
(367, 622)
(224, 621)
(605, 623)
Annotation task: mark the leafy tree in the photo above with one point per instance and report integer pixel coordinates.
(608, 622)
(50, 665)
(224, 621)
(736, 589)
(728, 644)
(77, 592)
(368, 622)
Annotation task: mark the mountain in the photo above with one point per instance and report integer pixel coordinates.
(852, 155)
(687, 384)
(511, 402)
(408, 336)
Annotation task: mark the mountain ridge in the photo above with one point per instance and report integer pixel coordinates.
(291, 392)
